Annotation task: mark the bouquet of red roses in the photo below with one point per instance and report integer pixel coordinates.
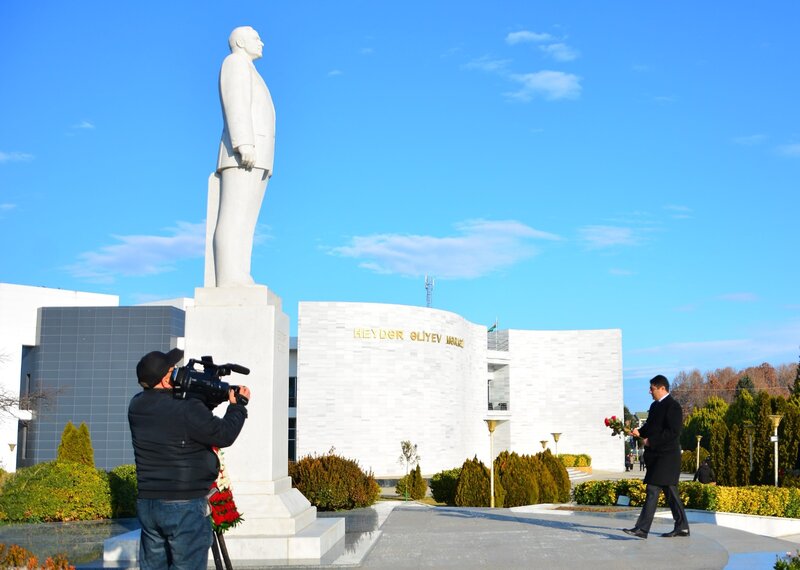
(616, 426)
(224, 514)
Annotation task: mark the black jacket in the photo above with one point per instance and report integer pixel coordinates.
(662, 456)
(172, 442)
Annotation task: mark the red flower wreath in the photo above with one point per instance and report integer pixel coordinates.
(223, 508)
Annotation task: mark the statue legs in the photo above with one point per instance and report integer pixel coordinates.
(240, 197)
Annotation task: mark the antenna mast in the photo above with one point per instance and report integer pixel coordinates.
(429, 282)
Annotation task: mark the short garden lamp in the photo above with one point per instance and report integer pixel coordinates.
(699, 437)
(556, 435)
(544, 443)
(776, 420)
(749, 429)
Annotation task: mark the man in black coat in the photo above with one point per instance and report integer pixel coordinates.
(662, 456)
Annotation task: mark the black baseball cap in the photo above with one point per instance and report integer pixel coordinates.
(154, 366)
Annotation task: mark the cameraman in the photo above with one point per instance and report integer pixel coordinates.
(175, 465)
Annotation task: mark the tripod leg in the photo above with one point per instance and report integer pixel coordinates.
(224, 549)
(215, 552)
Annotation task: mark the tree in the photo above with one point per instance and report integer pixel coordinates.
(701, 421)
(745, 383)
(719, 448)
(76, 445)
(762, 448)
(796, 385)
(408, 454)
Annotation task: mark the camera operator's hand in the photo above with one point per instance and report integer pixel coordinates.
(243, 391)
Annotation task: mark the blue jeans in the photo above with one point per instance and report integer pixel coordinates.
(176, 535)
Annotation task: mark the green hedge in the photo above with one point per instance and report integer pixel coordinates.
(756, 500)
(122, 483)
(689, 459)
(474, 489)
(333, 483)
(571, 460)
(56, 491)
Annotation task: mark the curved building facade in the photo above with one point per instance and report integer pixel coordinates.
(372, 375)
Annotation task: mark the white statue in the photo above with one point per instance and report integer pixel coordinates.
(245, 158)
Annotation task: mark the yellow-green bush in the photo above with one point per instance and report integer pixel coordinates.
(333, 483)
(559, 473)
(56, 491)
(571, 460)
(413, 484)
(756, 500)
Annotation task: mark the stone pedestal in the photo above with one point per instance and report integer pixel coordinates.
(245, 325)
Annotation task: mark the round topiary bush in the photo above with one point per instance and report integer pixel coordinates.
(443, 486)
(474, 486)
(333, 483)
(56, 491)
(122, 482)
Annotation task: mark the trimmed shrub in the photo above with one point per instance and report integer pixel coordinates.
(414, 484)
(56, 491)
(443, 486)
(474, 486)
(689, 459)
(331, 482)
(756, 500)
(517, 477)
(559, 473)
(571, 460)
(76, 445)
(548, 490)
(122, 483)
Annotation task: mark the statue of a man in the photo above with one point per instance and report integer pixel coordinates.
(245, 157)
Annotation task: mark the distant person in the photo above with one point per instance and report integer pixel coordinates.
(705, 474)
(641, 461)
(662, 454)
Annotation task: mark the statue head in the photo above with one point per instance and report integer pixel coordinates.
(244, 39)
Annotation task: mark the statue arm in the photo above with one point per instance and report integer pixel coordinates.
(235, 94)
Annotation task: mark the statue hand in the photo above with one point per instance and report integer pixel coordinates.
(247, 156)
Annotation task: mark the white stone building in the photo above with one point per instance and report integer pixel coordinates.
(371, 375)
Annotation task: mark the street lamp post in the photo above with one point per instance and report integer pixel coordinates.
(544, 443)
(776, 420)
(556, 435)
(699, 437)
(749, 428)
(491, 424)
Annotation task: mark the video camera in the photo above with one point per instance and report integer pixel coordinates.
(190, 382)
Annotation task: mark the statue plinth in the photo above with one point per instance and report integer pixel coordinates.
(245, 325)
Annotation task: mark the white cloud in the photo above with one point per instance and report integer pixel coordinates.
(750, 140)
(334, 73)
(83, 125)
(15, 157)
(775, 344)
(600, 237)
(679, 212)
(480, 247)
(560, 52)
(367, 51)
(485, 63)
(525, 36)
(7, 207)
(739, 297)
(141, 254)
(550, 85)
(790, 149)
(621, 272)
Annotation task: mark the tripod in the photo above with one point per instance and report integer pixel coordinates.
(217, 547)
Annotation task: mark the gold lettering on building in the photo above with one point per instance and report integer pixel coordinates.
(416, 336)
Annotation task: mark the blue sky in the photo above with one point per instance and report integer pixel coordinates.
(556, 165)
